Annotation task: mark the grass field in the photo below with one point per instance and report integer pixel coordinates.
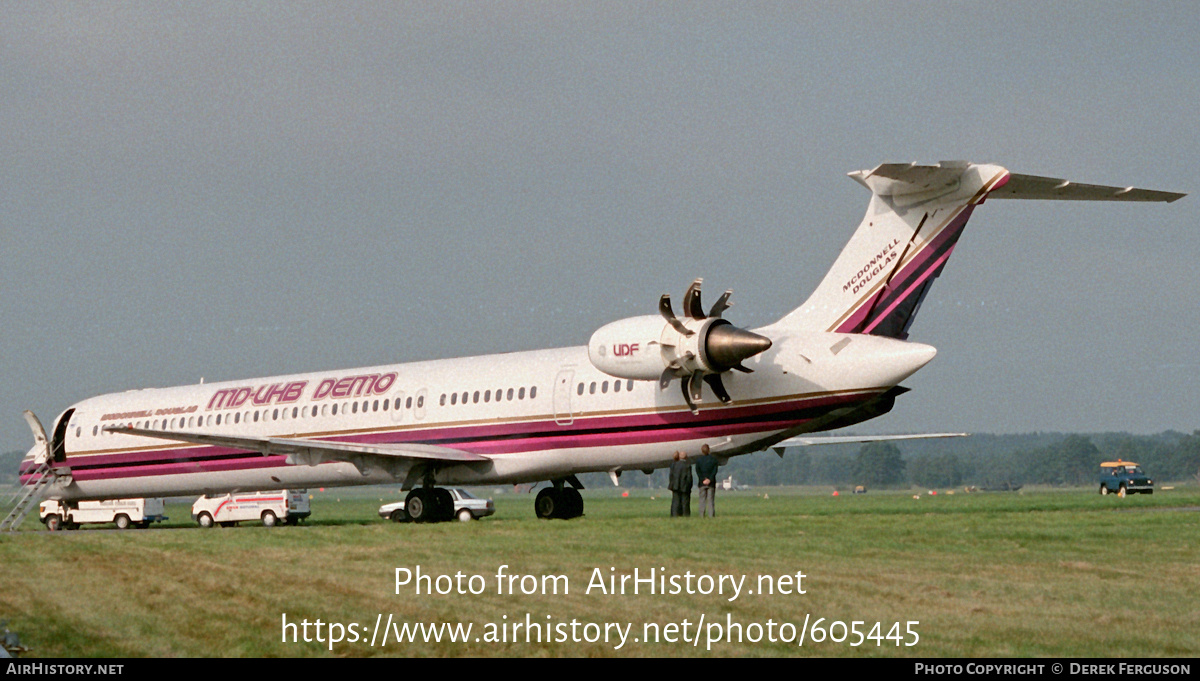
(1036, 573)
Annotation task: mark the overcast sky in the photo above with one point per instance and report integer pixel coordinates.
(234, 190)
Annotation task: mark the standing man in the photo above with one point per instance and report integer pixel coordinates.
(706, 472)
(680, 484)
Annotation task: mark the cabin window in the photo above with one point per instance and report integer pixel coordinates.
(295, 410)
(354, 407)
(95, 429)
(333, 410)
(521, 393)
(453, 399)
(580, 389)
(387, 402)
(420, 401)
(604, 387)
(533, 392)
(218, 419)
(616, 386)
(592, 388)
(629, 384)
(237, 418)
(509, 395)
(475, 397)
(487, 395)
(442, 401)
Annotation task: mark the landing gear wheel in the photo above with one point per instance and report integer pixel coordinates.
(445, 504)
(269, 519)
(572, 503)
(465, 516)
(122, 522)
(549, 504)
(419, 507)
(54, 522)
(1121, 492)
(1104, 490)
(204, 520)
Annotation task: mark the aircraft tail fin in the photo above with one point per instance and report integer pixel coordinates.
(913, 222)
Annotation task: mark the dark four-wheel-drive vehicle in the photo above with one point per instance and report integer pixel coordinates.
(1124, 477)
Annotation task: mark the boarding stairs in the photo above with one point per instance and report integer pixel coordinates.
(27, 496)
(44, 474)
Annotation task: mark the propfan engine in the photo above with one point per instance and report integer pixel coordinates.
(697, 349)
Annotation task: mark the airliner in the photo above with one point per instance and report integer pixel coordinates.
(642, 388)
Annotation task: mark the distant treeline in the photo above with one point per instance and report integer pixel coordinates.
(9, 463)
(982, 460)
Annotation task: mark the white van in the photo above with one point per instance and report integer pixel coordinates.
(271, 507)
(124, 512)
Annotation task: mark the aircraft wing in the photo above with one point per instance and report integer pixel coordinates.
(313, 452)
(808, 441)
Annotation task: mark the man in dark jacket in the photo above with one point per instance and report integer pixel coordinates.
(680, 485)
(706, 473)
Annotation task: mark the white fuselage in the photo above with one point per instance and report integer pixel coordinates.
(535, 415)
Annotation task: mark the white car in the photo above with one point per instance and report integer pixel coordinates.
(466, 507)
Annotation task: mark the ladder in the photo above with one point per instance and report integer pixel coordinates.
(28, 495)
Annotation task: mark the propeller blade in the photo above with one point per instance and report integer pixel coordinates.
(687, 395)
(721, 305)
(691, 301)
(714, 382)
(695, 386)
(664, 308)
(665, 379)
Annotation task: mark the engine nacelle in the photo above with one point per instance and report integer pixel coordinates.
(642, 348)
(630, 348)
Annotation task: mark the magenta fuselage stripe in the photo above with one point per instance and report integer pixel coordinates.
(536, 442)
(505, 436)
(502, 447)
(919, 261)
(901, 298)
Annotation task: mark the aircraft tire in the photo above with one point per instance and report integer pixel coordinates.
(549, 504)
(445, 504)
(572, 503)
(417, 505)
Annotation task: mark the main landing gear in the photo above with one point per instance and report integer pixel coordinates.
(429, 505)
(558, 501)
